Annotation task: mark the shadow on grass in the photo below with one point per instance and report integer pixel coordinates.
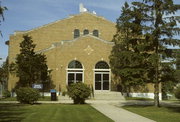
(11, 112)
(138, 98)
(175, 109)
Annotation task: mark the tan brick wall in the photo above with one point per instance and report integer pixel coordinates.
(75, 50)
(59, 57)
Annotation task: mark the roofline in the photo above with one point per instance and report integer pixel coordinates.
(36, 28)
(54, 45)
(105, 41)
(70, 16)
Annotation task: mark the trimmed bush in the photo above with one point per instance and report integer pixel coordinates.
(79, 92)
(27, 95)
(177, 92)
(64, 93)
(6, 93)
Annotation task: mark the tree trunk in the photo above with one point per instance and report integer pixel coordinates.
(128, 91)
(156, 94)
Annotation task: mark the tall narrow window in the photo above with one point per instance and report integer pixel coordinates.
(76, 33)
(96, 33)
(74, 72)
(86, 32)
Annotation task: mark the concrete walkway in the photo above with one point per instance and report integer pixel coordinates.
(118, 114)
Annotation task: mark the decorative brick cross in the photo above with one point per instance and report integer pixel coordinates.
(88, 50)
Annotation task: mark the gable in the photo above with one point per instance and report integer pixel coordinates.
(55, 32)
(63, 29)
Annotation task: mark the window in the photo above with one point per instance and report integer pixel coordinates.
(96, 33)
(74, 72)
(102, 65)
(102, 76)
(75, 64)
(76, 33)
(86, 32)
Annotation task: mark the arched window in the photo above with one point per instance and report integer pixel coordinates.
(95, 33)
(86, 32)
(75, 65)
(102, 76)
(102, 65)
(74, 72)
(76, 33)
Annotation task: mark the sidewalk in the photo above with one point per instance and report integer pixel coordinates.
(118, 114)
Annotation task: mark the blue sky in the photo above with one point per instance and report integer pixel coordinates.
(24, 15)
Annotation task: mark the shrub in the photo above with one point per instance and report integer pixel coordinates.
(27, 95)
(64, 93)
(6, 93)
(177, 92)
(79, 92)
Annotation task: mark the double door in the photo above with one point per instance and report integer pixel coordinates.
(101, 80)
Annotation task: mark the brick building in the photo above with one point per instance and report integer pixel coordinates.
(77, 50)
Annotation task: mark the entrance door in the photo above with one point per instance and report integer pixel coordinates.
(102, 81)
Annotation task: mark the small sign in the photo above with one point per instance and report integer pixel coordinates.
(53, 90)
(37, 86)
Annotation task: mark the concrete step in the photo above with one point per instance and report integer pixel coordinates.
(66, 97)
(109, 95)
(100, 95)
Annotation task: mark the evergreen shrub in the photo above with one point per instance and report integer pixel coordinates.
(6, 93)
(64, 93)
(27, 95)
(79, 92)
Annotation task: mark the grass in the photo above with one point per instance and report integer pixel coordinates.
(162, 114)
(172, 100)
(50, 113)
(45, 98)
(138, 98)
(8, 99)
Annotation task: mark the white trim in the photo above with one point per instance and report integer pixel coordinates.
(75, 72)
(74, 69)
(102, 69)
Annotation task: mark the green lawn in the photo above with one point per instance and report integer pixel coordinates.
(8, 99)
(46, 98)
(138, 98)
(50, 113)
(162, 114)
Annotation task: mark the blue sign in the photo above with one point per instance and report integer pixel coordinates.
(37, 86)
(53, 90)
